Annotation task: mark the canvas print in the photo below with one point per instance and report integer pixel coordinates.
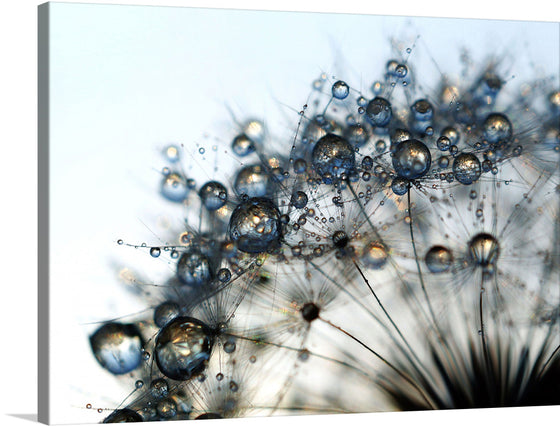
(260, 213)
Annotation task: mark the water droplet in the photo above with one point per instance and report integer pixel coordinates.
(219, 376)
(401, 71)
(155, 252)
(497, 128)
(484, 250)
(411, 159)
(165, 312)
(255, 225)
(120, 242)
(182, 348)
(379, 112)
(195, 268)
(174, 187)
(171, 153)
(242, 146)
(332, 157)
(229, 346)
(233, 386)
(117, 347)
(213, 195)
(299, 199)
(438, 259)
(443, 143)
(340, 90)
(224, 275)
(357, 135)
(400, 186)
(466, 168)
(139, 384)
(451, 133)
(252, 180)
(374, 255)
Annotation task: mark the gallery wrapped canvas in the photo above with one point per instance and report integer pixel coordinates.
(251, 213)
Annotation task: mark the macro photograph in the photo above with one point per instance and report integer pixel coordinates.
(258, 213)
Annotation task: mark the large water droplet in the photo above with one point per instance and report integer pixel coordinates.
(497, 128)
(194, 268)
(255, 225)
(117, 347)
(412, 159)
(379, 112)
(333, 156)
(466, 168)
(182, 348)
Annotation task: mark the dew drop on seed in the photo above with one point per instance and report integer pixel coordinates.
(255, 225)
(165, 312)
(229, 346)
(252, 180)
(182, 348)
(438, 259)
(139, 384)
(497, 128)
(252, 359)
(484, 250)
(299, 199)
(219, 376)
(411, 159)
(377, 88)
(466, 168)
(224, 275)
(194, 268)
(117, 347)
(155, 252)
(242, 146)
(443, 143)
(340, 90)
(233, 386)
(401, 71)
(479, 213)
(374, 255)
(174, 187)
(422, 110)
(400, 186)
(213, 195)
(379, 112)
(452, 134)
(332, 157)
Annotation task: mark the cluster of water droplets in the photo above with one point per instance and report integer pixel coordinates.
(387, 205)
